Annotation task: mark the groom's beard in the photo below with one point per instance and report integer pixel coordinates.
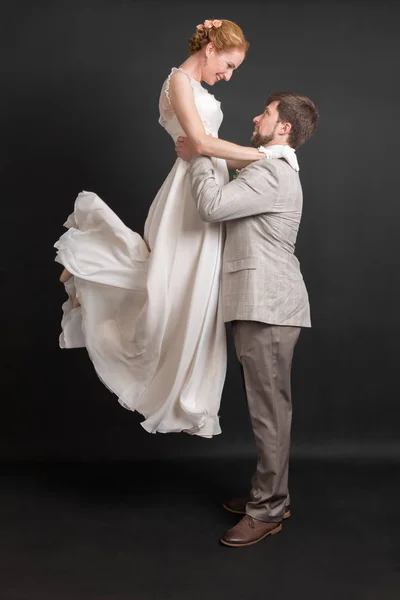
(262, 140)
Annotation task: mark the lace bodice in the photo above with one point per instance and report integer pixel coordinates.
(208, 108)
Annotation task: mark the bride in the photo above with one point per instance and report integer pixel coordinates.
(147, 309)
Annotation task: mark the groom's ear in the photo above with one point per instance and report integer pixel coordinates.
(285, 128)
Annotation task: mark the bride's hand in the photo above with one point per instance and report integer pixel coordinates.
(281, 151)
(184, 149)
(273, 151)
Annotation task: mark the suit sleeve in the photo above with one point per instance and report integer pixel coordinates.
(254, 192)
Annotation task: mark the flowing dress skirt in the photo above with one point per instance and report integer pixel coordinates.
(150, 315)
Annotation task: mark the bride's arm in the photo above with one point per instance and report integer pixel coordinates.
(239, 164)
(181, 98)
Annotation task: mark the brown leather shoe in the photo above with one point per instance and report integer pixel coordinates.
(238, 506)
(249, 531)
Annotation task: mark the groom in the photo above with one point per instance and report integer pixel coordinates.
(263, 293)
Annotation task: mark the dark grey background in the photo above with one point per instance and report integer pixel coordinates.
(79, 110)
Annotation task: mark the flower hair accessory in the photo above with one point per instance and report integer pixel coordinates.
(210, 24)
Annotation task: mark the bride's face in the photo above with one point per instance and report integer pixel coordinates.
(220, 65)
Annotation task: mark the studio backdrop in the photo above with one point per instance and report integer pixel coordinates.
(79, 111)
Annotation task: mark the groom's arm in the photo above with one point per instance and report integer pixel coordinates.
(252, 193)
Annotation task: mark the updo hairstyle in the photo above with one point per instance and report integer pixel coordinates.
(225, 35)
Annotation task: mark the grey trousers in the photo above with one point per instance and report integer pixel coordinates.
(265, 353)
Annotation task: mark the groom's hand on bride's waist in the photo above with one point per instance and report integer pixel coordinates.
(184, 149)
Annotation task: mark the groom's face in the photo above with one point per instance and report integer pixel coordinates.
(266, 126)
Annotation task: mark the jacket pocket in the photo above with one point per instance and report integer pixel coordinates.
(242, 264)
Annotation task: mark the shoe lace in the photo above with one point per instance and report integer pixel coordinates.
(251, 521)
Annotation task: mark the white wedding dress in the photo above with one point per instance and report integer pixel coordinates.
(150, 316)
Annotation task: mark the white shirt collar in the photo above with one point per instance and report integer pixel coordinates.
(281, 151)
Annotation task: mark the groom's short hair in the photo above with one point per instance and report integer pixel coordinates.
(300, 112)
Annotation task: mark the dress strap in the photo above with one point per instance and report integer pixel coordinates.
(174, 70)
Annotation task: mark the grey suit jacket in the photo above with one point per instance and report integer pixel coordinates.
(261, 279)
